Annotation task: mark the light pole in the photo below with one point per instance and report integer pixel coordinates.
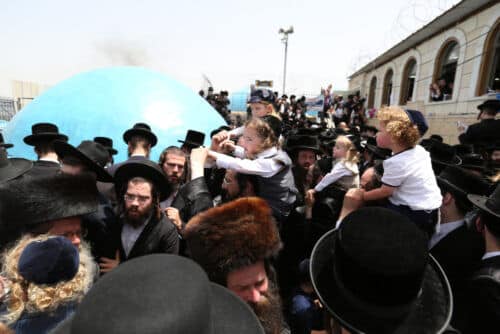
(284, 39)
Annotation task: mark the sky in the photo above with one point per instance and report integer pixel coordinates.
(231, 42)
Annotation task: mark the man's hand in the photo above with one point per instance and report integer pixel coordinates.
(107, 264)
(173, 215)
(353, 200)
(198, 155)
(310, 196)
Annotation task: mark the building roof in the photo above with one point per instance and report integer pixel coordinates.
(457, 13)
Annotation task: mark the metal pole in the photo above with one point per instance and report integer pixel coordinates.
(284, 69)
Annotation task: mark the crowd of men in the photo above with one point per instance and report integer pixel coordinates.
(180, 247)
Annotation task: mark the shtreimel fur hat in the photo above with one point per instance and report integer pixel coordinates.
(232, 236)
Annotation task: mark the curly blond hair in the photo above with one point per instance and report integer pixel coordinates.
(399, 126)
(30, 297)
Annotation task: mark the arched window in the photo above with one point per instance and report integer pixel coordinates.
(387, 91)
(444, 72)
(408, 82)
(489, 79)
(371, 95)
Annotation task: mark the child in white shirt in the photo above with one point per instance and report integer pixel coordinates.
(262, 157)
(345, 171)
(408, 181)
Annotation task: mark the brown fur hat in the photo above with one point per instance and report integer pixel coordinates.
(232, 236)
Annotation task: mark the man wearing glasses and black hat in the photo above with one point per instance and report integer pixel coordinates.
(143, 228)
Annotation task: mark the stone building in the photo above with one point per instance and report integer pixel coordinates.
(459, 51)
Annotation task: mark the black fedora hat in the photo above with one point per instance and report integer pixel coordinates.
(3, 143)
(374, 275)
(146, 169)
(140, 129)
(10, 168)
(473, 162)
(489, 204)
(44, 132)
(107, 143)
(91, 154)
(444, 154)
(297, 143)
(134, 298)
(490, 104)
(193, 139)
(379, 152)
(461, 182)
(463, 149)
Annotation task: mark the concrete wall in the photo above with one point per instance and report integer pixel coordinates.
(442, 116)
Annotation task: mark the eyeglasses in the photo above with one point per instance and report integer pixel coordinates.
(132, 198)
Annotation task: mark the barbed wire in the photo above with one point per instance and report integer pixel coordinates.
(413, 15)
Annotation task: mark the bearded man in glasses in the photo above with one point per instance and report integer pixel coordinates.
(143, 227)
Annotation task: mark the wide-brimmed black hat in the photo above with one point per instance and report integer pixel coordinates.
(473, 162)
(461, 182)
(146, 169)
(10, 168)
(327, 135)
(143, 130)
(3, 143)
(129, 300)
(44, 132)
(379, 152)
(489, 204)
(443, 153)
(193, 139)
(107, 143)
(91, 154)
(297, 143)
(32, 201)
(374, 275)
(463, 149)
(490, 104)
(495, 146)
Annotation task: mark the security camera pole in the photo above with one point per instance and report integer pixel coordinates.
(284, 39)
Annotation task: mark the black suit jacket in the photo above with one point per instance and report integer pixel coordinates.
(158, 236)
(459, 254)
(484, 132)
(485, 297)
(42, 168)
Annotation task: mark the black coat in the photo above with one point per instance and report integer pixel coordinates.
(42, 168)
(459, 254)
(482, 133)
(158, 236)
(485, 297)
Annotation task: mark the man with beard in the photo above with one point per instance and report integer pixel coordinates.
(143, 228)
(235, 243)
(172, 161)
(303, 150)
(236, 185)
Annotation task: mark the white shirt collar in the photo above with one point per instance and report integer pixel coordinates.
(49, 159)
(490, 254)
(267, 153)
(444, 230)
